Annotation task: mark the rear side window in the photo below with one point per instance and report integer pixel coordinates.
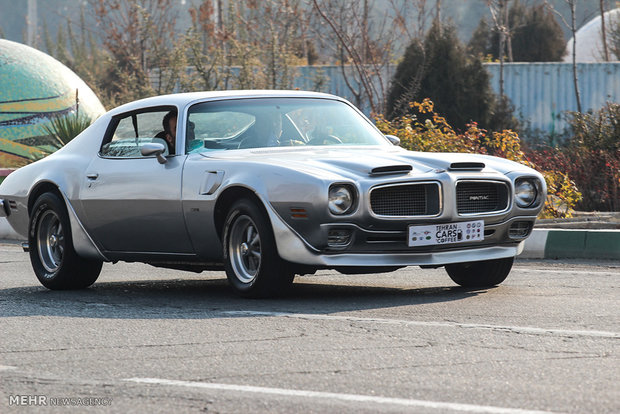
(128, 132)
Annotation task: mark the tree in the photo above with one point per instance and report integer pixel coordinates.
(604, 31)
(273, 27)
(362, 42)
(78, 50)
(207, 48)
(538, 38)
(533, 35)
(439, 68)
(251, 46)
(614, 37)
(481, 42)
(572, 4)
(140, 37)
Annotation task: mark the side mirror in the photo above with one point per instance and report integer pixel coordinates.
(156, 149)
(393, 139)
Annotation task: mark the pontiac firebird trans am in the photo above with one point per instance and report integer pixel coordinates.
(266, 185)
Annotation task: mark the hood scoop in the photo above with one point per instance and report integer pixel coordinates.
(467, 166)
(391, 169)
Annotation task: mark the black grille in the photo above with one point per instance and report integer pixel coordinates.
(481, 197)
(406, 200)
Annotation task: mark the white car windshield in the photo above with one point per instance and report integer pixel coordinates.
(271, 122)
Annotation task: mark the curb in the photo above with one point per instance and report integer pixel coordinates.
(572, 244)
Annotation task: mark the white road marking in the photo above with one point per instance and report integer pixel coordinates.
(6, 367)
(472, 408)
(568, 271)
(514, 329)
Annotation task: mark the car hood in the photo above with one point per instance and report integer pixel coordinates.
(354, 161)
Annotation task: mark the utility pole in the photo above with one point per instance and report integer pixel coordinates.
(31, 23)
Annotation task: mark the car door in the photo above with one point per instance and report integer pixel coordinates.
(132, 202)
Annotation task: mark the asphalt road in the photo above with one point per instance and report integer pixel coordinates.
(160, 341)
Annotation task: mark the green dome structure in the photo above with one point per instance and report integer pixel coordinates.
(35, 89)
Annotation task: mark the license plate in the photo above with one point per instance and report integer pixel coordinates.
(448, 233)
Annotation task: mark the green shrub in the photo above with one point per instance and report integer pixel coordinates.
(64, 128)
(439, 68)
(591, 156)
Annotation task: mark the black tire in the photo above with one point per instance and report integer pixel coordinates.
(480, 274)
(53, 258)
(253, 267)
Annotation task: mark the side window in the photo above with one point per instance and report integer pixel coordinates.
(128, 132)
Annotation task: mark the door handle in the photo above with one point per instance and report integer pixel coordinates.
(92, 176)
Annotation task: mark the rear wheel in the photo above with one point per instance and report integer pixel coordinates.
(251, 259)
(480, 274)
(53, 258)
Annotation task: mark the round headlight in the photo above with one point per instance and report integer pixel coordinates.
(525, 193)
(340, 199)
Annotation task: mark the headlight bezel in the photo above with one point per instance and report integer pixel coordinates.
(336, 210)
(535, 188)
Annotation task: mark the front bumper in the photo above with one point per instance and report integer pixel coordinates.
(402, 259)
(293, 248)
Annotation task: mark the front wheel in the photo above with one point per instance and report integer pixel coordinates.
(480, 274)
(53, 258)
(253, 266)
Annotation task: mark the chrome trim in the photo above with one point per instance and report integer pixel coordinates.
(50, 240)
(25, 247)
(403, 259)
(4, 212)
(355, 192)
(154, 149)
(407, 183)
(539, 190)
(488, 213)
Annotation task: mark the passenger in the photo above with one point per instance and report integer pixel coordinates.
(266, 132)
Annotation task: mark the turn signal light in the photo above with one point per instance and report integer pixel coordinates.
(299, 213)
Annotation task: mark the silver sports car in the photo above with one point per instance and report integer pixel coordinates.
(266, 185)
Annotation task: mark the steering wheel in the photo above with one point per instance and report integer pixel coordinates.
(325, 140)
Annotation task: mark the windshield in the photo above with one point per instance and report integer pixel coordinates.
(271, 122)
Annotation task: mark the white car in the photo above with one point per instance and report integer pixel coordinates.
(266, 185)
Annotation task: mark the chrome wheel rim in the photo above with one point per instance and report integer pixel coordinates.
(245, 249)
(50, 241)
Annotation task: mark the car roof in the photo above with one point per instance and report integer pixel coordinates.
(182, 99)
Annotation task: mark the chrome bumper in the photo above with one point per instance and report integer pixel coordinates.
(292, 248)
(404, 259)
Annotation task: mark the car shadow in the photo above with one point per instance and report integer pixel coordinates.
(213, 298)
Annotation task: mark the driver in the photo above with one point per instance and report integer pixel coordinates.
(169, 123)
